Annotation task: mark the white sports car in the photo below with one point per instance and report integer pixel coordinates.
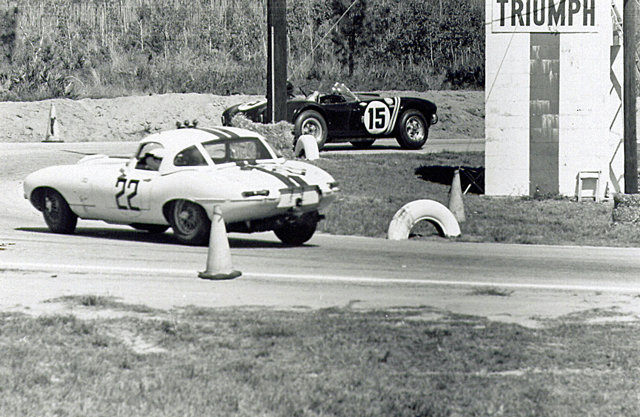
(175, 178)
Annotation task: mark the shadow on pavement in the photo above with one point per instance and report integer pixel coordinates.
(161, 238)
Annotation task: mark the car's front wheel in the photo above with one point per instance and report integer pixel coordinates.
(299, 231)
(310, 122)
(189, 222)
(57, 213)
(413, 130)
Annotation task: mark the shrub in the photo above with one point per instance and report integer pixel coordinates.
(279, 135)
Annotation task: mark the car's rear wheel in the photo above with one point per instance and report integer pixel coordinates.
(297, 232)
(151, 228)
(362, 144)
(413, 130)
(310, 122)
(189, 222)
(57, 213)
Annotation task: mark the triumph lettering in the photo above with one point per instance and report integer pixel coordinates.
(541, 13)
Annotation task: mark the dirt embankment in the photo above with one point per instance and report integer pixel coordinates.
(461, 115)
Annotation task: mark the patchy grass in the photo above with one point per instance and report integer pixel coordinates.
(496, 292)
(375, 186)
(99, 301)
(249, 362)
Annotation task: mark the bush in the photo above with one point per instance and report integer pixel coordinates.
(279, 135)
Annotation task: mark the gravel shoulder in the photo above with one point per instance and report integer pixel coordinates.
(461, 115)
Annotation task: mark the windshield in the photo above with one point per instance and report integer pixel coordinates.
(343, 90)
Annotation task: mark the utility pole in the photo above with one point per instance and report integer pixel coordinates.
(277, 60)
(630, 138)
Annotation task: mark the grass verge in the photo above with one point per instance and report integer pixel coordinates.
(335, 362)
(375, 186)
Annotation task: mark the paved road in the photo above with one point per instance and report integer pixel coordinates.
(432, 146)
(330, 271)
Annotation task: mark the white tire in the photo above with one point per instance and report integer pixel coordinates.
(428, 210)
(307, 144)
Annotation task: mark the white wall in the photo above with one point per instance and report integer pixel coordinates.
(590, 114)
(507, 114)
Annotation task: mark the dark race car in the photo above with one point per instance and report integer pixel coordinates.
(344, 116)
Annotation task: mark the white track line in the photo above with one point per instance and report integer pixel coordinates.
(128, 270)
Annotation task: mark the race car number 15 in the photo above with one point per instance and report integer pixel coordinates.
(376, 117)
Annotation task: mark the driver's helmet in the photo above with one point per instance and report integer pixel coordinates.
(289, 88)
(157, 153)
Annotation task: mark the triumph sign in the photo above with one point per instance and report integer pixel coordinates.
(553, 102)
(551, 16)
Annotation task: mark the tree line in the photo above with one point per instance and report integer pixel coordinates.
(102, 48)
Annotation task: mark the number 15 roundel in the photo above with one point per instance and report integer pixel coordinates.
(376, 117)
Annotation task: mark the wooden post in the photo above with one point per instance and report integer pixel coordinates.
(276, 60)
(630, 138)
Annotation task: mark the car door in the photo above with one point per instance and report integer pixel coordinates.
(132, 192)
(123, 194)
(377, 116)
(340, 118)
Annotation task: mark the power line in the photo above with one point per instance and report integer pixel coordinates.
(324, 37)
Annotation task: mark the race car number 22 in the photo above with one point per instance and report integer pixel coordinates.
(125, 186)
(376, 117)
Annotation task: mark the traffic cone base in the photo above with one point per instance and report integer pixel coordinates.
(219, 277)
(219, 266)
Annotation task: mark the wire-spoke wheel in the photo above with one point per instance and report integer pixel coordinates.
(189, 222)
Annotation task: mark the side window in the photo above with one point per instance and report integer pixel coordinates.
(190, 156)
(242, 151)
(217, 151)
(149, 156)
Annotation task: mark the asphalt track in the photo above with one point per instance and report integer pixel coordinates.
(540, 282)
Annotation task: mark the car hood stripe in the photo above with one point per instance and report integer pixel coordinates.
(394, 115)
(286, 180)
(222, 132)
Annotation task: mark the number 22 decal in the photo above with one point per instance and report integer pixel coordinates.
(123, 190)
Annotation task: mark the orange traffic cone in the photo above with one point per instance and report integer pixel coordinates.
(219, 264)
(52, 127)
(456, 206)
